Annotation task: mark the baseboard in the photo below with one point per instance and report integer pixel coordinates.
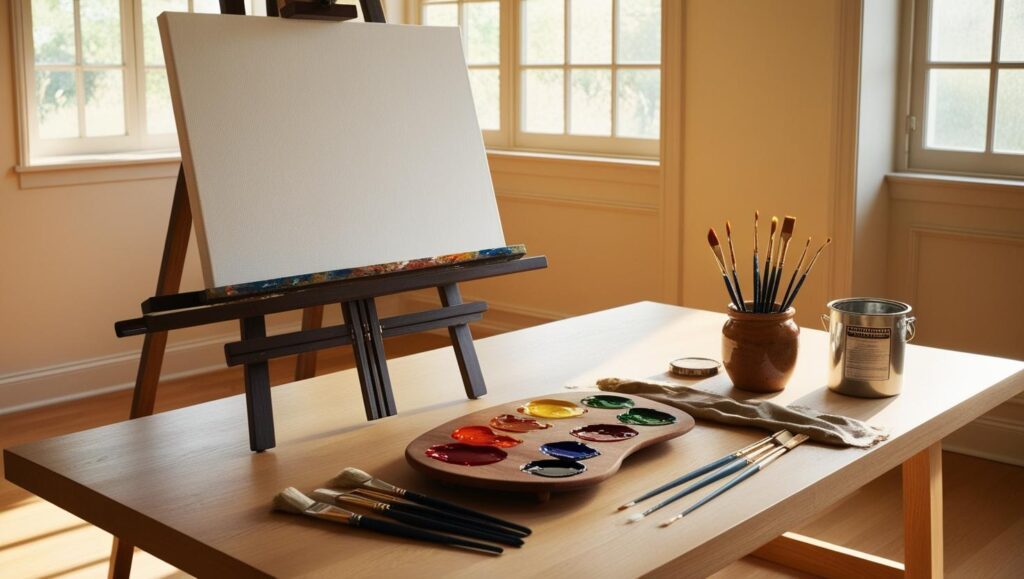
(998, 436)
(82, 378)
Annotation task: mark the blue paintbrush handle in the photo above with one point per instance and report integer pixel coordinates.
(749, 472)
(688, 477)
(736, 465)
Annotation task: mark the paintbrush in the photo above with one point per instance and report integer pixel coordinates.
(290, 500)
(784, 236)
(796, 272)
(715, 465)
(803, 277)
(735, 276)
(400, 505)
(761, 464)
(717, 249)
(354, 478)
(768, 265)
(334, 497)
(757, 270)
(735, 466)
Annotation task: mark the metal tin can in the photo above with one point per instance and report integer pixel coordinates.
(867, 341)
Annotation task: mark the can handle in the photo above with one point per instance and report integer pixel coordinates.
(910, 328)
(825, 319)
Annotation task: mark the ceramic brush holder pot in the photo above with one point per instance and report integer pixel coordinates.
(759, 350)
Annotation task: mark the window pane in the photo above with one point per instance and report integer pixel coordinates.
(543, 32)
(543, 101)
(1009, 137)
(159, 113)
(639, 40)
(53, 31)
(591, 102)
(104, 102)
(957, 109)
(154, 52)
(211, 7)
(487, 96)
(101, 31)
(482, 33)
(441, 15)
(590, 35)
(639, 104)
(56, 104)
(1011, 48)
(961, 30)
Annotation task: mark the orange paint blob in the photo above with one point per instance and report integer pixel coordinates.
(483, 436)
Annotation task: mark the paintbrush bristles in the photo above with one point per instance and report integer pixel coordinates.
(787, 226)
(291, 500)
(717, 248)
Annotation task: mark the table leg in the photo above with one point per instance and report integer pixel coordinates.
(922, 513)
(120, 560)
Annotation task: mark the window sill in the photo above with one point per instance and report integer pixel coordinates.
(90, 169)
(957, 190)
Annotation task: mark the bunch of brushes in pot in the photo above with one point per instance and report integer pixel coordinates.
(767, 280)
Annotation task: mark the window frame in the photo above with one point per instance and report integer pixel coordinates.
(511, 136)
(921, 158)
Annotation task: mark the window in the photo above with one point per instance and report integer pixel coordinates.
(967, 91)
(580, 76)
(93, 77)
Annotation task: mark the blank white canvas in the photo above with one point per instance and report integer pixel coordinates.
(314, 146)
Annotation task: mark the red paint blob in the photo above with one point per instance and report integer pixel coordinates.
(483, 436)
(604, 432)
(466, 454)
(512, 423)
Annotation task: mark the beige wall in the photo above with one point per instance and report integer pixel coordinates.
(760, 109)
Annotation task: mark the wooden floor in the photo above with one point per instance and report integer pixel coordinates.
(984, 508)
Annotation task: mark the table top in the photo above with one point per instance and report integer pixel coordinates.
(183, 485)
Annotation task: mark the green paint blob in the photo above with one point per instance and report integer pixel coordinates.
(646, 417)
(608, 402)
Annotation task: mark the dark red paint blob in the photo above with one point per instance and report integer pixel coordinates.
(604, 432)
(466, 454)
(481, 435)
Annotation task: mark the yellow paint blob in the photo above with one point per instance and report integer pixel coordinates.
(551, 408)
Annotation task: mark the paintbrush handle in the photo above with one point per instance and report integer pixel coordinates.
(732, 294)
(446, 506)
(775, 287)
(739, 290)
(796, 290)
(744, 475)
(455, 529)
(389, 528)
(455, 519)
(757, 288)
(687, 477)
(735, 466)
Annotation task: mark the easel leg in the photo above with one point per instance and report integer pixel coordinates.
(462, 343)
(258, 403)
(922, 513)
(172, 264)
(371, 362)
(305, 364)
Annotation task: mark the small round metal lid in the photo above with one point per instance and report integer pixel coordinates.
(695, 367)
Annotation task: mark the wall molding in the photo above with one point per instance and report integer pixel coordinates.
(68, 381)
(992, 438)
(956, 190)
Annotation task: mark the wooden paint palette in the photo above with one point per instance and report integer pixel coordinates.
(507, 474)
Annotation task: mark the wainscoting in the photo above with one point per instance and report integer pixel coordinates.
(957, 255)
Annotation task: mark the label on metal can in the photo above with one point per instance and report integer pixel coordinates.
(867, 353)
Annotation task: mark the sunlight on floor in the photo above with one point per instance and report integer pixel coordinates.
(44, 541)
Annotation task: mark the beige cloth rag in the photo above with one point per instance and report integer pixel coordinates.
(821, 427)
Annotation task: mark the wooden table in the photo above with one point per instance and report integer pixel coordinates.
(183, 485)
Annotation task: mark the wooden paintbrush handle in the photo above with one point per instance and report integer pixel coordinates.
(455, 529)
(455, 519)
(389, 528)
(446, 506)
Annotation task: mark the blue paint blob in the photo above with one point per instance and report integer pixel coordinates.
(569, 450)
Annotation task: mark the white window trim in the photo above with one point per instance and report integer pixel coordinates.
(922, 159)
(511, 137)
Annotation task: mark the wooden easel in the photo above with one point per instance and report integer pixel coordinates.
(362, 327)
